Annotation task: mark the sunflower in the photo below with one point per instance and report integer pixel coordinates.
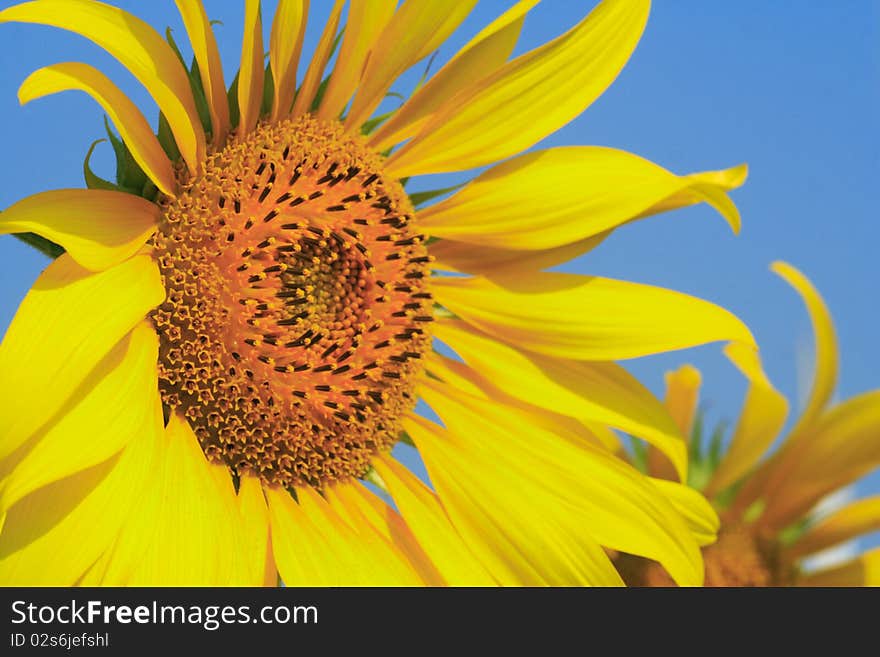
(769, 518)
(206, 386)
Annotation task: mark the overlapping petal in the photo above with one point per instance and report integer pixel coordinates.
(573, 486)
(546, 199)
(185, 528)
(118, 403)
(586, 317)
(479, 58)
(204, 46)
(98, 228)
(416, 29)
(603, 393)
(133, 127)
(366, 20)
(67, 323)
(251, 74)
(528, 98)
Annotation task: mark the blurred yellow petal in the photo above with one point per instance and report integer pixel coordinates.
(77, 517)
(476, 259)
(315, 546)
(140, 49)
(682, 395)
(417, 28)
(853, 520)
(862, 571)
(573, 485)
(133, 127)
(285, 46)
(528, 98)
(427, 519)
(701, 519)
(204, 46)
(365, 22)
(98, 228)
(251, 73)
(519, 533)
(461, 376)
(355, 503)
(762, 418)
(185, 530)
(118, 402)
(827, 357)
(67, 323)
(318, 63)
(586, 317)
(836, 451)
(602, 393)
(479, 58)
(254, 518)
(550, 198)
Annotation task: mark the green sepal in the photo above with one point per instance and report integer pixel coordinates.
(94, 181)
(420, 198)
(268, 91)
(166, 139)
(232, 98)
(129, 174)
(41, 244)
(370, 125)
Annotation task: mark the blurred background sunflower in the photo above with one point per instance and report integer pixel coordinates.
(774, 529)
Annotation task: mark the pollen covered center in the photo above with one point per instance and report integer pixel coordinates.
(296, 310)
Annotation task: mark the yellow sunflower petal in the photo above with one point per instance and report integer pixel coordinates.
(602, 393)
(204, 46)
(479, 58)
(586, 317)
(475, 259)
(417, 28)
(827, 358)
(185, 530)
(427, 519)
(853, 520)
(285, 46)
(140, 49)
(254, 516)
(528, 98)
(66, 324)
(585, 488)
(120, 399)
(862, 571)
(462, 377)
(355, 503)
(837, 450)
(133, 127)
(550, 198)
(366, 20)
(98, 228)
(251, 74)
(77, 517)
(315, 546)
(523, 533)
(701, 519)
(762, 418)
(312, 80)
(682, 394)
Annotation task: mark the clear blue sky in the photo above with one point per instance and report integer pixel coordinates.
(790, 87)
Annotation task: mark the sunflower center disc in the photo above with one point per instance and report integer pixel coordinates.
(296, 309)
